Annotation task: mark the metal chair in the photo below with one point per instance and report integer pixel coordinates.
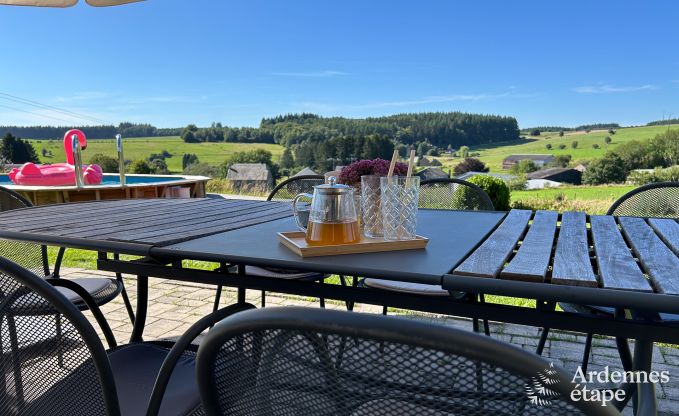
(659, 200)
(284, 191)
(447, 194)
(297, 361)
(34, 258)
(88, 379)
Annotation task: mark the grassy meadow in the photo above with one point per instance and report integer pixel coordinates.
(142, 147)
(492, 155)
(590, 199)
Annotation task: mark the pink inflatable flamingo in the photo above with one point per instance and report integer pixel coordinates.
(58, 174)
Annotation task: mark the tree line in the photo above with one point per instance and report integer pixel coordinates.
(663, 122)
(128, 130)
(595, 126)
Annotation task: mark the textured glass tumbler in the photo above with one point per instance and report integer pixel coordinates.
(370, 206)
(399, 207)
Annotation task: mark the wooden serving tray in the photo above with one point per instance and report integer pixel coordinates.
(295, 241)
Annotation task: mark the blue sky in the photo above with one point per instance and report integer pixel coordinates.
(173, 62)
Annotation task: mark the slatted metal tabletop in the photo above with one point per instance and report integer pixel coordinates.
(134, 226)
(624, 253)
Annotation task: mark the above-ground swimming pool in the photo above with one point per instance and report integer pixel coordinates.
(136, 186)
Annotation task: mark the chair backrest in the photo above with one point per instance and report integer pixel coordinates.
(289, 188)
(453, 194)
(52, 362)
(285, 361)
(659, 200)
(31, 256)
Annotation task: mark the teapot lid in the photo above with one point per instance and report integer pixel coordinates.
(332, 187)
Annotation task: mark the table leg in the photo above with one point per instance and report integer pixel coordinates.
(647, 403)
(240, 269)
(142, 307)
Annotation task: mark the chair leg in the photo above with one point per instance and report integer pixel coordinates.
(475, 324)
(123, 293)
(16, 364)
(486, 326)
(384, 310)
(321, 300)
(343, 282)
(263, 298)
(218, 297)
(586, 353)
(60, 340)
(543, 341)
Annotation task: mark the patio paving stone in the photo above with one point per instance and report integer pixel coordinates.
(174, 306)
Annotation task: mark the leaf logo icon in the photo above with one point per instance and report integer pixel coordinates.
(538, 390)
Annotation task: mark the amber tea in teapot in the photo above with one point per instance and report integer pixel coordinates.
(332, 233)
(332, 219)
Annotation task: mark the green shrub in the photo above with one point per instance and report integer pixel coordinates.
(496, 188)
(202, 169)
(107, 163)
(141, 167)
(657, 175)
(608, 169)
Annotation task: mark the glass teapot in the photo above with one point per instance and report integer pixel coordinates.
(332, 218)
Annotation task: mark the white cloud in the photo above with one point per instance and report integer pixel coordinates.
(434, 99)
(316, 74)
(607, 89)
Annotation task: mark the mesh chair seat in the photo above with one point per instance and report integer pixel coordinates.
(279, 273)
(406, 287)
(101, 290)
(294, 361)
(387, 407)
(135, 369)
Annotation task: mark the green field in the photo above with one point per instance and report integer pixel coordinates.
(590, 199)
(141, 148)
(492, 155)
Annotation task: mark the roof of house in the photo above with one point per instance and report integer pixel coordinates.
(432, 173)
(304, 172)
(468, 175)
(516, 158)
(546, 173)
(248, 172)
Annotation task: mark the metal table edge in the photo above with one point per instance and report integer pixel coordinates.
(655, 302)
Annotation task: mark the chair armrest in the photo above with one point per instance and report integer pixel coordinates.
(92, 306)
(180, 346)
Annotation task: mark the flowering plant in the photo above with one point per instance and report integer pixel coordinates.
(351, 174)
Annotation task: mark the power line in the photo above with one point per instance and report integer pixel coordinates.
(37, 114)
(68, 113)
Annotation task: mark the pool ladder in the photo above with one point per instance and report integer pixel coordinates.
(77, 162)
(121, 159)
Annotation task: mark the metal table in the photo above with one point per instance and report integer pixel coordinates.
(629, 264)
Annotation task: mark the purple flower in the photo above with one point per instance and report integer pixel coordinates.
(351, 174)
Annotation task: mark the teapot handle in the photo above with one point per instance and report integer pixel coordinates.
(295, 211)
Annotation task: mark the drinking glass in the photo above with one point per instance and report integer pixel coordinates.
(399, 207)
(371, 214)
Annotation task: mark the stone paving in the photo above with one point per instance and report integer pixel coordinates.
(174, 306)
